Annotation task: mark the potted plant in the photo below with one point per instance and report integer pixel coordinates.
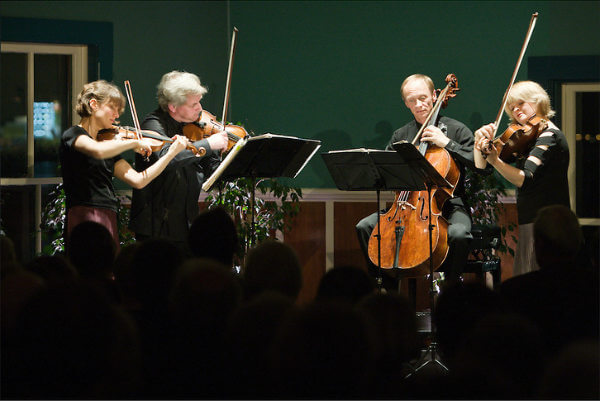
(482, 195)
(271, 209)
(54, 218)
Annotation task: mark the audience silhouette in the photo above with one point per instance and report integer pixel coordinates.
(562, 298)
(249, 338)
(204, 296)
(573, 374)
(71, 342)
(272, 266)
(53, 269)
(213, 235)
(393, 321)
(92, 251)
(345, 283)
(459, 307)
(153, 323)
(324, 350)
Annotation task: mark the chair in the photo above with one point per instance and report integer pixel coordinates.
(486, 238)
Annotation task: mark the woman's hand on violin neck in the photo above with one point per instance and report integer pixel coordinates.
(218, 141)
(142, 148)
(180, 142)
(487, 131)
(487, 148)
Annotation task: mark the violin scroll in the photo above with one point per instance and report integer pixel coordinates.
(452, 88)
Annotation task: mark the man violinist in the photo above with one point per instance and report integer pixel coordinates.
(418, 93)
(167, 208)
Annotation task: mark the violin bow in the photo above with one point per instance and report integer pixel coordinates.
(514, 75)
(136, 122)
(229, 71)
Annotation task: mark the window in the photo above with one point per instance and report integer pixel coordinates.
(581, 124)
(40, 83)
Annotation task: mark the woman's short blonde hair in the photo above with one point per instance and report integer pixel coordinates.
(103, 92)
(531, 92)
(428, 81)
(176, 86)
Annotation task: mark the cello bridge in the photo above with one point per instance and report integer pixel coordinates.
(403, 205)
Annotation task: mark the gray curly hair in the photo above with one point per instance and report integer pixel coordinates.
(175, 86)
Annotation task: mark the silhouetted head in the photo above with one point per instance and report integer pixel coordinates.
(573, 373)
(458, 309)
(395, 324)
(72, 343)
(345, 282)
(213, 235)
(272, 266)
(153, 269)
(52, 269)
(204, 295)
(558, 236)
(91, 249)
(324, 350)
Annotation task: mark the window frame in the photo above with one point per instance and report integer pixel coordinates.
(79, 71)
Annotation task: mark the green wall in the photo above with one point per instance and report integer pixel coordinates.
(331, 70)
(150, 38)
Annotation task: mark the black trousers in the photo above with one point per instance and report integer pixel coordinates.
(459, 239)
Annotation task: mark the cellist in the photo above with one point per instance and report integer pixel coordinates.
(540, 176)
(418, 93)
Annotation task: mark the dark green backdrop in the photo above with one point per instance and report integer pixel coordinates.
(324, 70)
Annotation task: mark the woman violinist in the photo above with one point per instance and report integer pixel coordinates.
(88, 165)
(540, 174)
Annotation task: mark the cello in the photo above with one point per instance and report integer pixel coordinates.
(404, 228)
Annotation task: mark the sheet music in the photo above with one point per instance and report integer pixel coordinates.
(267, 156)
(208, 183)
(365, 150)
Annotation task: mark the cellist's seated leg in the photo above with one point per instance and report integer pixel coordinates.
(459, 239)
(364, 228)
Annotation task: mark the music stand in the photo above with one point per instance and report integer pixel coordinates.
(377, 170)
(264, 156)
(431, 178)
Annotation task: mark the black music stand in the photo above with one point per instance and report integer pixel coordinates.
(264, 156)
(431, 178)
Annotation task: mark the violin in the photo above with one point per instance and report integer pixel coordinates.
(152, 138)
(208, 125)
(518, 140)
